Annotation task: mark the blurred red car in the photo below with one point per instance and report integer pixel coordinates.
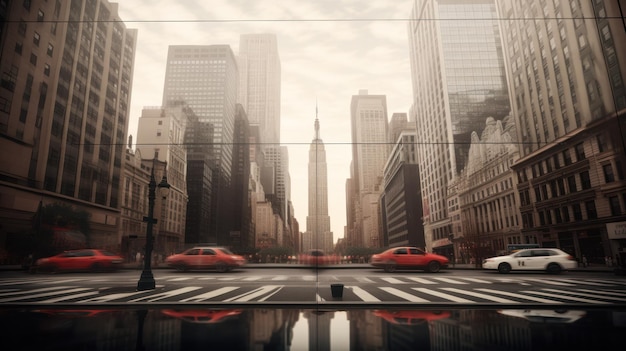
(93, 260)
(408, 257)
(219, 258)
(202, 316)
(411, 317)
(316, 257)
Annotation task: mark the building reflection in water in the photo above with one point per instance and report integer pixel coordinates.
(273, 329)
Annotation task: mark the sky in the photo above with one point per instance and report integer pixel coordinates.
(329, 50)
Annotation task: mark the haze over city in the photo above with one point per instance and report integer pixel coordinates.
(329, 50)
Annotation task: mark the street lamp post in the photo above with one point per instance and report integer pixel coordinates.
(146, 281)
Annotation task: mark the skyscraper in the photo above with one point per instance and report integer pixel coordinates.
(459, 81)
(66, 76)
(259, 83)
(318, 234)
(205, 77)
(370, 150)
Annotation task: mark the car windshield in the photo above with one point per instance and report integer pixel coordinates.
(323, 154)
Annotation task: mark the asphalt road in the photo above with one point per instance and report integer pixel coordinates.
(307, 286)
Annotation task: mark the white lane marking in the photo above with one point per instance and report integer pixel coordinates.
(178, 279)
(7, 290)
(614, 282)
(393, 280)
(36, 290)
(19, 281)
(281, 277)
(605, 292)
(64, 281)
(166, 294)
(111, 297)
(594, 295)
(563, 297)
(422, 281)
(443, 295)
(310, 278)
(451, 281)
(481, 296)
(402, 294)
(362, 294)
(476, 280)
(252, 278)
(364, 280)
(549, 282)
(70, 297)
(207, 278)
(210, 294)
(226, 279)
(585, 282)
(525, 297)
(43, 294)
(271, 289)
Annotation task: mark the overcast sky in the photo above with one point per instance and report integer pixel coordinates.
(329, 50)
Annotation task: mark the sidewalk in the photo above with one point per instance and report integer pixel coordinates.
(135, 266)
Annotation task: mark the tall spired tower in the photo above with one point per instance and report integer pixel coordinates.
(318, 234)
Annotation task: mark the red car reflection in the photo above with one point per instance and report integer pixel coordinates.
(218, 258)
(72, 313)
(93, 260)
(409, 257)
(202, 316)
(411, 317)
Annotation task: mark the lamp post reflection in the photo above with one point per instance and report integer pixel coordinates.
(146, 281)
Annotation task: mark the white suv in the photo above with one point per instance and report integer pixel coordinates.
(540, 259)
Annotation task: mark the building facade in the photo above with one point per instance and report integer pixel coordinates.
(369, 154)
(66, 76)
(567, 82)
(458, 77)
(260, 83)
(318, 220)
(401, 203)
(206, 78)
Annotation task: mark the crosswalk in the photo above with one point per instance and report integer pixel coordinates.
(454, 290)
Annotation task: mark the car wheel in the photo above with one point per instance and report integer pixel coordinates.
(504, 268)
(433, 267)
(390, 267)
(554, 268)
(221, 267)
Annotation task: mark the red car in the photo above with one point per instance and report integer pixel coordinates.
(202, 316)
(410, 317)
(219, 258)
(92, 260)
(408, 257)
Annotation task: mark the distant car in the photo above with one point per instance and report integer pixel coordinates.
(219, 258)
(546, 316)
(410, 317)
(316, 257)
(93, 260)
(408, 257)
(539, 259)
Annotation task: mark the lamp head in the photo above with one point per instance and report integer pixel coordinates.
(164, 187)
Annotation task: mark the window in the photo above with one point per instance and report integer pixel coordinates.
(46, 70)
(33, 59)
(602, 142)
(608, 173)
(571, 182)
(591, 209)
(50, 49)
(580, 152)
(18, 47)
(36, 38)
(578, 213)
(567, 158)
(565, 214)
(614, 205)
(21, 30)
(40, 15)
(584, 180)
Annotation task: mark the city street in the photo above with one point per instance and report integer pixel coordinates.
(308, 286)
